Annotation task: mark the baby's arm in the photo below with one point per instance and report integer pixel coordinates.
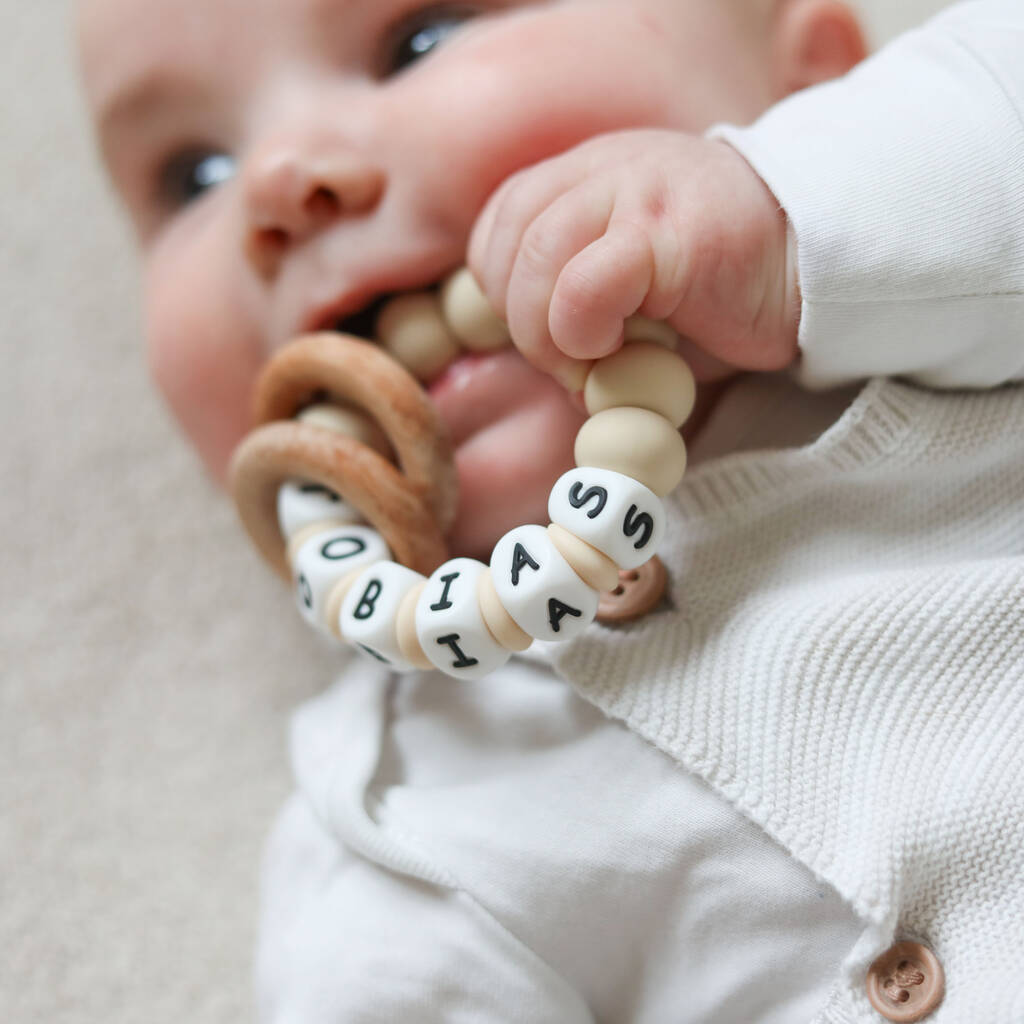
(902, 182)
(905, 184)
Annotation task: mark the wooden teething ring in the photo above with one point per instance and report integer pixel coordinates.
(411, 506)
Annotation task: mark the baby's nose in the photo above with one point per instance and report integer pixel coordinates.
(293, 190)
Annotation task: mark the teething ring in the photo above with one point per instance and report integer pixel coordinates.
(362, 375)
(410, 506)
(278, 452)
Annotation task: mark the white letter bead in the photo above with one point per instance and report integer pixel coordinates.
(539, 588)
(611, 512)
(643, 375)
(328, 557)
(301, 503)
(369, 614)
(636, 442)
(450, 625)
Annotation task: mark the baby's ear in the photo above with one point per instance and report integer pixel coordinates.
(815, 40)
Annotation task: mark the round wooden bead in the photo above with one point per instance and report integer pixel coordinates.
(405, 629)
(609, 511)
(644, 376)
(301, 503)
(413, 330)
(327, 557)
(539, 588)
(470, 316)
(642, 328)
(369, 613)
(450, 625)
(348, 422)
(635, 442)
(502, 626)
(594, 567)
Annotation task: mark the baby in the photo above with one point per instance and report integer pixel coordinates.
(795, 792)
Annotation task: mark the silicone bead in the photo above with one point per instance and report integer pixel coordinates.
(327, 557)
(405, 629)
(502, 626)
(636, 442)
(335, 599)
(611, 512)
(469, 314)
(539, 588)
(297, 539)
(594, 567)
(301, 503)
(645, 376)
(642, 328)
(413, 330)
(369, 614)
(350, 423)
(450, 626)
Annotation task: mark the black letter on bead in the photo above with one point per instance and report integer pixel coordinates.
(331, 552)
(368, 602)
(521, 558)
(452, 641)
(578, 501)
(320, 489)
(558, 611)
(634, 525)
(305, 592)
(444, 603)
(373, 654)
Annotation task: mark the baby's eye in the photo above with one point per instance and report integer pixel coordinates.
(423, 33)
(187, 175)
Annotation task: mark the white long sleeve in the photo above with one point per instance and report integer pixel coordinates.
(904, 182)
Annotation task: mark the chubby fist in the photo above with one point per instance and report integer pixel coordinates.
(668, 225)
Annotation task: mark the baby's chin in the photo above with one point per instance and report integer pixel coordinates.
(507, 467)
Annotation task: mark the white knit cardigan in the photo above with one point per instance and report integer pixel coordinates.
(844, 654)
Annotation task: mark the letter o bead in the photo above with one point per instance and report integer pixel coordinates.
(327, 557)
(611, 512)
(301, 503)
(539, 588)
(369, 614)
(450, 625)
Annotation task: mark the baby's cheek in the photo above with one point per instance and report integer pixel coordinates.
(204, 360)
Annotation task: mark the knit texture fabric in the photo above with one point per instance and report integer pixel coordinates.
(842, 657)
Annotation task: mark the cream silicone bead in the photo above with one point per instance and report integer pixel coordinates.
(336, 598)
(450, 625)
(502, 626)
(413, 330)
(594, 567)
(350, 423)
(641, 328)
(644, 376)
(635, 442)
(326, 558)
(613, 513)
(405, 629)
(369, 613)
(539, 588)
(469, 314)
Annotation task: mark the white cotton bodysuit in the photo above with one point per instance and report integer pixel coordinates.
(724, 812)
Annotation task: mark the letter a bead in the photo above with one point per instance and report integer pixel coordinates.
(539, 588)
(611, 512)
(369, 614)
(328, 557)
(450, 625)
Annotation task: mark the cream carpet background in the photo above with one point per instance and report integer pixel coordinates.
(147, 661)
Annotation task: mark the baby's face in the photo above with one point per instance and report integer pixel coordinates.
(411, 114)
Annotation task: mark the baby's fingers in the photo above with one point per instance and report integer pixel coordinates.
(570, 225)
(597, 289)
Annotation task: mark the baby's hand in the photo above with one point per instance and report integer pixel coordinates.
(664, 224)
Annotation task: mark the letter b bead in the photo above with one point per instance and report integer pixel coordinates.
(450, 625)
(539, 588)
(369, 614)
(612, 512)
